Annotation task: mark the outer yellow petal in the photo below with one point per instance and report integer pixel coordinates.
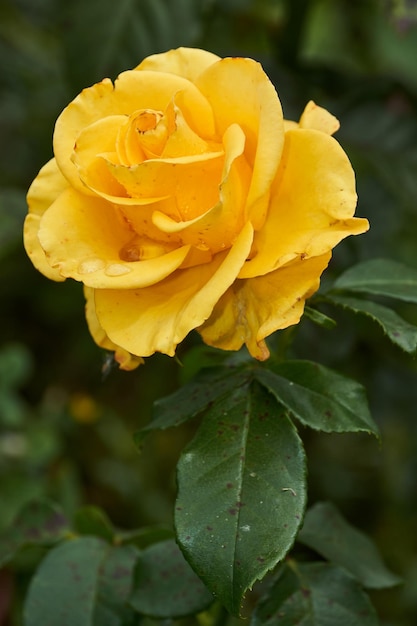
(46, 187)
(83, 237)
(253, 309)
(132, 91)
(186, 62)
(157, 318)
(126, 360)
(240, 92)
(312, 204)
(317, 118)
(44, 190)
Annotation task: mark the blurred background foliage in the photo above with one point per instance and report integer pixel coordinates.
(66, 416)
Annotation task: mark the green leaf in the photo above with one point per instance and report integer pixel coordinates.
(315, 594)
(319, 318)
(115, 586)
(327, 532)
(38, 523)
(166, 586)
(63, 590)
(82, 582)
(242, 492)
(397, 330)
(90, 520)
(319, 397)
(380, 277)
(193, 398)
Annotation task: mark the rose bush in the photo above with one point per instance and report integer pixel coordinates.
(181, 199)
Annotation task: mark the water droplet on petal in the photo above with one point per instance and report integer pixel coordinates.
(88, 266)
(117, 269)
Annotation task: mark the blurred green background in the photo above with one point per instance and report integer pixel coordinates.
(65, 424)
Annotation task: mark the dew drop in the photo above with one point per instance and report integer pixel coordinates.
(130, 252)
(116, 269)
(88, 266)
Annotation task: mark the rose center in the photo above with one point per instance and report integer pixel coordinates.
(149, 130)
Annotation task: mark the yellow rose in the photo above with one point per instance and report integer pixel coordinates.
(182, 200)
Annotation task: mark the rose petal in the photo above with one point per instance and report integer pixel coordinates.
(312, 203)
(217, 228)
(157, 318)
(132, 91)
(317, 118)
(83, 238)
(253, 309)
(183, 140)
(94, 140)
(46, 187)
(126, 360)
(192, 181)
(186, 62)
(240, 92)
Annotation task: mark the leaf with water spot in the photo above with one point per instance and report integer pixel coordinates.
(319, 397)
(241, 492)
(314, 594)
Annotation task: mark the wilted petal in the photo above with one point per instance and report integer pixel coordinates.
(253, 309)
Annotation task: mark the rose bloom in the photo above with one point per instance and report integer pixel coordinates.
(181, 199)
